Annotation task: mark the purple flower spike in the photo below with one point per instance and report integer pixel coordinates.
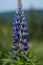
(14, 56)
(20, 33)
(15, 47)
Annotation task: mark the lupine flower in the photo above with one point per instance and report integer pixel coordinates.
(14, 41)
(16, 18)
(22, 16)
(19, 33)
(24, 29)
(16, 38)
(15, 28)
(14, 56)
(25, 42)
(16, 23)
(15, 47)
(25, 34)
(21, 41)
(16, 33)
(23, 23)
(23, 19)
(25, 48)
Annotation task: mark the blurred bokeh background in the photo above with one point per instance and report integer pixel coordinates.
(34, 16)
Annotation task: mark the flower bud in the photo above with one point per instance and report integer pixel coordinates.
(21, 41)
(25, 42)
(23, 23)
(16, 23)
(24, 29)
(15, 47)
(25, 34)
(25, 48)
(14, 56)
(15, 29)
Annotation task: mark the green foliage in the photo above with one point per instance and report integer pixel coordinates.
(31, 59)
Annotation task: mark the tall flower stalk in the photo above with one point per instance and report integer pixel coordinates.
(20, 32)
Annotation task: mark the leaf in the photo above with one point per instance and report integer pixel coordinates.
(6, 61)
(0, 54)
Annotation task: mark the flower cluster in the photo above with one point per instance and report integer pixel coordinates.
(16, 33)
(20, 33)
(24, 33)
